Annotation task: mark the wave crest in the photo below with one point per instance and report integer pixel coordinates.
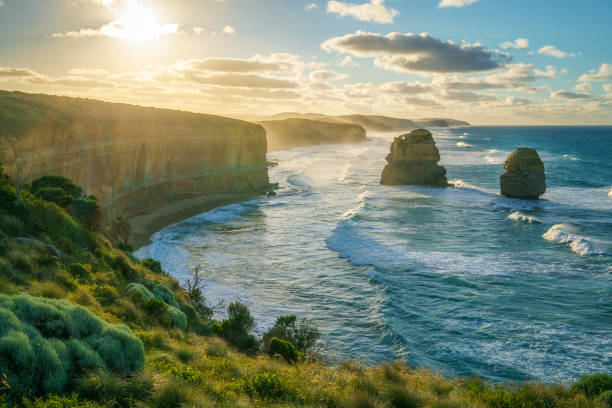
(580, 245)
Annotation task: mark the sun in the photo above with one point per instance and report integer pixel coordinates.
(139, 24)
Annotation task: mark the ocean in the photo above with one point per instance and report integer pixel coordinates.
(457, 279)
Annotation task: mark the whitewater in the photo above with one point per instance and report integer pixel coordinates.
(457, 279)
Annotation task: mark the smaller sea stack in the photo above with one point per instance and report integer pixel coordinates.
(414, 160)
(524, 177)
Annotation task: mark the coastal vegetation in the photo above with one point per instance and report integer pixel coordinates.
(83, 323)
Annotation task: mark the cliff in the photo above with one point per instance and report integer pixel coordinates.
(413, 160)
(134, 159)
(293, 132)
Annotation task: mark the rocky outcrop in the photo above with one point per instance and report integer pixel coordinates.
(134, 159)
(413, 160)
(291, 133)
(524, 176)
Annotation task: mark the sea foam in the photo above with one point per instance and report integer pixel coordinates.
(580, 245)
(463, 144)
(520, 217)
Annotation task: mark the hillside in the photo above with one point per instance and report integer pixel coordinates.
(84, 324)
(134, 159)
(290, 133)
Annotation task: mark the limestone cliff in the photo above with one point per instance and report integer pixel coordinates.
(134, 159)
(524, 176)
(290, 133)
(413, 160)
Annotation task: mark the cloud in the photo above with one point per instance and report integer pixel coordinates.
(585, 86)
(88, 71)
(604, 74)
(410, 88)
(311, 6)
(228, 30)
(570, 95)
(241, 80)
(455, 3)
(118, 29)
(322, 75)
(417, 53)
(198, 30)
(236, 65)
(374, 11)
(607, 88)
(552, 51)
(518, 44)
(347, 61)
(17, 73)
(1, 3)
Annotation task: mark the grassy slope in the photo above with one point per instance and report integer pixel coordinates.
(190, 368)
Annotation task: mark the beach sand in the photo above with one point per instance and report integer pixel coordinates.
(144, 226)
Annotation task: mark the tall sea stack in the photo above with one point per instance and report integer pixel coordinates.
(413, 160)
(524, 177)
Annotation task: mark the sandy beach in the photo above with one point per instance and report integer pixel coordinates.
(144, 226)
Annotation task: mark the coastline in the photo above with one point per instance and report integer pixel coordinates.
(145, 225)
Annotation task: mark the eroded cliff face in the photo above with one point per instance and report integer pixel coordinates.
(134, 159)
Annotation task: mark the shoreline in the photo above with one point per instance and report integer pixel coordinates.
(145, 225)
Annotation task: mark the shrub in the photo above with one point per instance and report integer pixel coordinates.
(115, 389)
(121, 262)
(267, 385)
(175, 318)
(88, 212)
(164, 294)
(138, 291)
(8, 197)
(303, 334)
(593, 385)
(185, 355)
(154, 306)
(285, 349)
(195, 292)
(606, 397)
(172, 395)
(400, 397)
(54, 401)
(55, 195)
(121, 231)
(55, 181)
(105, 294)
(152, 265)
(235, 329)
(80, 272)
(45, 344)
(10, 224)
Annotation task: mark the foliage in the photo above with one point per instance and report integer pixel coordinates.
(88, 212)
(152, 265)
(55, 181)
(80, 272)
(172, 395)
(593, 385)
(235, 329)
(55, 195)
(164, 294)
(606, 397)
(285, 349)
(195, 292)
(115, 390)
(54, 401)
(267, 385)
(120, 231)
(105, 294)
(45, 344)
(8, 197)
(303, 334)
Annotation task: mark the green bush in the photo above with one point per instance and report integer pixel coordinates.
(121, 262)
(172, 395)
(285, 349)
(152, 264)
(54, 401)
(11, 225)
(303, 334)
(8, 197)
(80, 272)
(593, 385)
(88, 212)
(45, 344)
(235, 329)
(154, 306)
(176, 318)
(55, 181)
(105, 294)
(606, 397)
(267, 385)
(55, 195)
(400, 397)
(113, 389)
(164, 294)
(139, 292)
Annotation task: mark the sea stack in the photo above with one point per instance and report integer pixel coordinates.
(413, 160)
(524, 177)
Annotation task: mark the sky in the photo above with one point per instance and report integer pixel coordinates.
(500, 62)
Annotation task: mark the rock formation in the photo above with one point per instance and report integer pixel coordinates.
(524, 176)
(134, 159)
(291, 133)
(413, 160)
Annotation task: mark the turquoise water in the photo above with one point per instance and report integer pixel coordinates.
(458, 279)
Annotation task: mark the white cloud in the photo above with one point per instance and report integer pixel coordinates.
(552, 51)
(325, 75)
(228, 30)
(607, 88)
(585, 86)
(311, 6)
(347, 61)
(604, 74)
(518, 44)
(374, 11)
(456, 3)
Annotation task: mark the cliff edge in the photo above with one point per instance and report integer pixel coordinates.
(134, 159)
